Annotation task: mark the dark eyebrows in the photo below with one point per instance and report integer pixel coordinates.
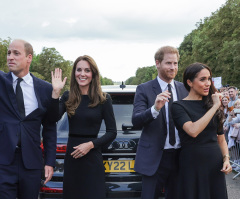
(83, 68)
(204, 77)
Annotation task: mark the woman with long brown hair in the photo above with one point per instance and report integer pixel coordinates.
(86, 106)
(225, 101)
(204, 156)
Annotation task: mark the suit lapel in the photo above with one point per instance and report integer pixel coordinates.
(11, 94)
(180, 91)
(157, 89)
(37, 89)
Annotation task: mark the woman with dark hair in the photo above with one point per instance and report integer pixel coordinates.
(86, 106)
(204, 156)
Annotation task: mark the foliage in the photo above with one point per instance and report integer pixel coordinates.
(143, 74)
(216, 42)
(47, 61)
(36, 74)
(3, 54)
(106, 81)
(130, 80)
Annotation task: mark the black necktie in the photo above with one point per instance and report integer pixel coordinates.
(172, 139)
(19, 96)
(20, 103)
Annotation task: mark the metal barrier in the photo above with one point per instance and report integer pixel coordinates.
(234, 152)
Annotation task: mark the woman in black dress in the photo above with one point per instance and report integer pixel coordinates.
(204, 156)
(86, 106)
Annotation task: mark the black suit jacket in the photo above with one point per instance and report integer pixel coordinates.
(11, 125)
(154, 133)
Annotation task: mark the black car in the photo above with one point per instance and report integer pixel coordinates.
(119, 156)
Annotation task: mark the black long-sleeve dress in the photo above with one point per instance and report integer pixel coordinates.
(84, 177)
(200, 158)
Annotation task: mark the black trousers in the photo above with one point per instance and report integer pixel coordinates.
(18, 182)
(165, 177)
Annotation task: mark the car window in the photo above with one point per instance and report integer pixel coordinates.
(123, 115)
(63, 123)
(62, 126)
(122, 98)
(122, 107)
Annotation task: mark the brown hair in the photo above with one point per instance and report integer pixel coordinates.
(159, 55)
(232, 87)
(94, 92)
(28, 48)
(227, 99)
(191, 73)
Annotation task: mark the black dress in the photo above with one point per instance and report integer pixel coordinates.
(200, 158)
(84, 177)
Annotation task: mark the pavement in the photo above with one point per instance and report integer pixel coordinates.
(233, 186)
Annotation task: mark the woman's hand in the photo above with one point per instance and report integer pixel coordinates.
(82, 149)
(57, 82)
(227, 168)
(216, 97)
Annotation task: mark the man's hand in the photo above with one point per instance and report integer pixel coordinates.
(48, 173)
(161, 99)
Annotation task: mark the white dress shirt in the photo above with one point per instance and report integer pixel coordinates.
(29, 96)
(164, 87)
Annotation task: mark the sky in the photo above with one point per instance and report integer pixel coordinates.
(120, 35)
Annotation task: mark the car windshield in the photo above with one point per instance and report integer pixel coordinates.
(122, 107)
(123, 115)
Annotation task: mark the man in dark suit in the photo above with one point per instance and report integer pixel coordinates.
(24, 101)
(158, 147)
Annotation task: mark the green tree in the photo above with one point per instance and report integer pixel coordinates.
(47, 61)
(38, 75)
(130, 80)
(143, 74)
(216, 42)
(3, 54)
(106, 81)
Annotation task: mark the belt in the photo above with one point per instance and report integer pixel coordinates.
(82, 136)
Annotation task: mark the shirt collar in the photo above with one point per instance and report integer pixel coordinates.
(27, 78)
(164, 84)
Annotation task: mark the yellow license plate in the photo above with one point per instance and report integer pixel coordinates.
(119, 165)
